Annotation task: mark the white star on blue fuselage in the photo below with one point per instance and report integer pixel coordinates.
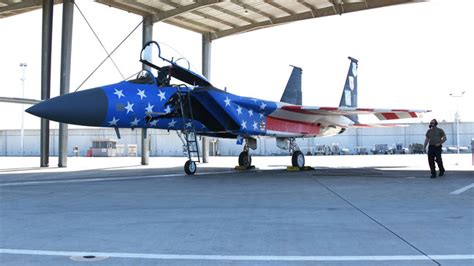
(162, 95)
(172, 123)
(119, 93)
(149, 109)
(168, 109)
(129, 107)
(134, 122)
(113, 122)
(227, 101)
(153, 123)
(244, 124)
(141, 93)
(239, 110)
(263, 105)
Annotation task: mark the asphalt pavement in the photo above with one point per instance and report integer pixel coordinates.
(349, 210)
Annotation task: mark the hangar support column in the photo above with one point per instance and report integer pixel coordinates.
(146, 37)
(46, 44)
(206, 71)
(66, 47)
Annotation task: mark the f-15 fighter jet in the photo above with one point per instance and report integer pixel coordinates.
(196, 108)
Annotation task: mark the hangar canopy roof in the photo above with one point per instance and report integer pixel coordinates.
(220, 18)
(15, 7)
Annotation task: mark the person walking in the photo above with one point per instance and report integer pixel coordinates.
(435, 137)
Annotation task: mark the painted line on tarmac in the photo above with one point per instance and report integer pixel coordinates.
(463, 189)
(235, 257)
(83, 180)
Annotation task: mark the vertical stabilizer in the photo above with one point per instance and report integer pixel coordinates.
(349, 93)
(292, 93)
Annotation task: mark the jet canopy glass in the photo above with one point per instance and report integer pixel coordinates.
(151, 55)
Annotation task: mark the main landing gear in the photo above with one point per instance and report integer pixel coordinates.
(297, 157)
(245, 159)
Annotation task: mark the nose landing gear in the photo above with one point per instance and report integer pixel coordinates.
(190, 167)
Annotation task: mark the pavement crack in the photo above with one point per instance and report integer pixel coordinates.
(375, 220)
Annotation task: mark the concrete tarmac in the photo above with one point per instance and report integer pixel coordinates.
(350, 210)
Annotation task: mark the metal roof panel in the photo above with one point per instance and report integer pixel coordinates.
(220, 18)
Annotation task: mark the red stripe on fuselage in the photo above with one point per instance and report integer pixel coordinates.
(390, 116)
(282, 125)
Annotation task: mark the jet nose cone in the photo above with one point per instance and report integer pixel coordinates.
(87, 108)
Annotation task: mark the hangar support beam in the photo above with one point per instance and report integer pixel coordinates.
(206, 71)
(46, 44)
(146, 37)
(66, 48)
(18, 100)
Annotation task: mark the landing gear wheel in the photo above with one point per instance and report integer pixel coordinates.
(245, 159)
(190, 167)
(297, 159)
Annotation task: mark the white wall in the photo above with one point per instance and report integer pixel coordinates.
(165, 143)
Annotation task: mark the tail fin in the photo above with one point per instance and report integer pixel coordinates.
(349, 94)
(292, 93)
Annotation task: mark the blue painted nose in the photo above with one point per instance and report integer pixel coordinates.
(86, 108)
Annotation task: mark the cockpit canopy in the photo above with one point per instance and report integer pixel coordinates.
(168, 68)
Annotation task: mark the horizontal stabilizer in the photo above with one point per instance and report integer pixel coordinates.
(378, 125)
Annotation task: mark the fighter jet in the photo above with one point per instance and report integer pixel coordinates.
(194, 107)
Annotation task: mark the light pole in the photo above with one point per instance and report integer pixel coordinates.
(22, 131)
(456, 117)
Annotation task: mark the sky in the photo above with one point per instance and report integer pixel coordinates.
(410, 56)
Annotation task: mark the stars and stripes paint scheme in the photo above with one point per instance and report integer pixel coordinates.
(128, 104)
(145, 104)
(198, 108)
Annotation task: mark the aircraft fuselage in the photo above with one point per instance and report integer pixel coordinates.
(129, 104)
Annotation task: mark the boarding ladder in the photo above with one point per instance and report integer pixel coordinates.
(190, 143)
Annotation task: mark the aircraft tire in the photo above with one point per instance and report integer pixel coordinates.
(245, 159)
(190, 167)
(297, 159)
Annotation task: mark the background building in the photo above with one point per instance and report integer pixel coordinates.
(164, 143)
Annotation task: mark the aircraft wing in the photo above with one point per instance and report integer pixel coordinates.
(381, 114)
